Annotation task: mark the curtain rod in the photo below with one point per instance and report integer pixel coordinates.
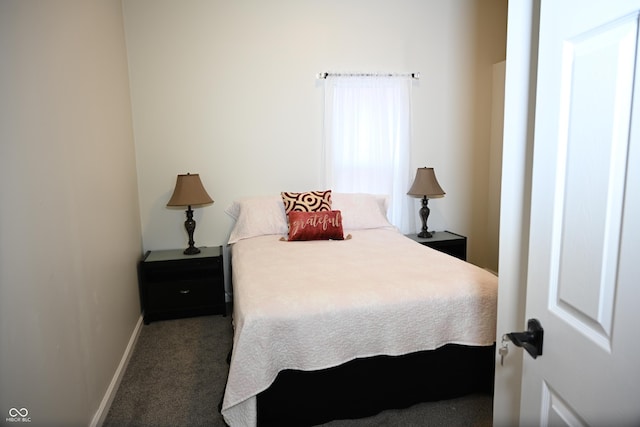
(325, 75)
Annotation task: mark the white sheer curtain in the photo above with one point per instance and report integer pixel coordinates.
(367, 135)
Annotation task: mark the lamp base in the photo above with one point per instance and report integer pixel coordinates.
(424, 216)
(191, 250)
(190, 226)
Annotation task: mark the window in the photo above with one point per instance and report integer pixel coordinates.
(367, 139)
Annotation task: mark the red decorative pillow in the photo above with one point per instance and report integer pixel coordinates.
(326, 225)
(311, 201)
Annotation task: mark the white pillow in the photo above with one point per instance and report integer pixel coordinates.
(257, 216)
(361, 211)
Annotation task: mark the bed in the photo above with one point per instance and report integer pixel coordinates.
(327, 329)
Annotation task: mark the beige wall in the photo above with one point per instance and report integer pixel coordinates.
(228, 90)
(69, 219)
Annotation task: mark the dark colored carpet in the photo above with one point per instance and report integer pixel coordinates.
(178, 370)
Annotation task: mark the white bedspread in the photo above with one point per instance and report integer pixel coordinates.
(314, 305)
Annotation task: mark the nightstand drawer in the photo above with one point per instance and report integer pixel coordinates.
(173, 271)
(181, 294)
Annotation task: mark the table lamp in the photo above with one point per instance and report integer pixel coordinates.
(425, 185)
(189, 192)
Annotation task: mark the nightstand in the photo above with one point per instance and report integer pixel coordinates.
(445, 241)
(175, 285)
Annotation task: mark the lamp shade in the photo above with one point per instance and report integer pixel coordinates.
(189, 191)
(426, 184)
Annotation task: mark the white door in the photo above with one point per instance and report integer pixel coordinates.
(583, 281)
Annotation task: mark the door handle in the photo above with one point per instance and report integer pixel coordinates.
(531, 339)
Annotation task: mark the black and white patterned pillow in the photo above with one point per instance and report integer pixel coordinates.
(310, 201)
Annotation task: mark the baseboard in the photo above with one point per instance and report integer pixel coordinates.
(103, 410)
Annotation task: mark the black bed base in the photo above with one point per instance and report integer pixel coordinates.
(365, 387)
